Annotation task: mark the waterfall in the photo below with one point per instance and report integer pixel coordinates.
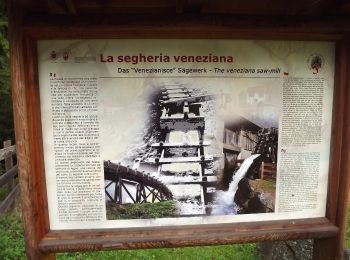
(224, 203)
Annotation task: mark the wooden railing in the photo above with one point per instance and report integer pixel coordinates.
(8, 178)
(268, 170)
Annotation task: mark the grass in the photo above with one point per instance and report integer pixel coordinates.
(264, 185)
(239, 252)
(140, 211)
(3, 192)
(12, 247)
(269, 185)
(11, 235)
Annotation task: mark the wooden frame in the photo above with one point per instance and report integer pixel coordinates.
(328, 232)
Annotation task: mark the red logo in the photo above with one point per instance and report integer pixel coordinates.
(315, 63)
(53, 55)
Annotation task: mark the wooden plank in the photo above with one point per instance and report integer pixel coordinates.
(266, 8)
(171, 236)
(9, 159)
(188, 26)
(269, 171)
(184, 159)
(179, 101)
(209, 183)
(180, 118)
(173, 96)
(177, 91)
(339, 173)
(180, 145)
(189, 179)
(231, 148)
(9, 175)
(6, 205)
(269, 168)
(182, 124)
(27, 121)
(173, 87)
(6, 152)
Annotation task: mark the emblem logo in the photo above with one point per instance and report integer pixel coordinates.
(315, 63)
(53, 55)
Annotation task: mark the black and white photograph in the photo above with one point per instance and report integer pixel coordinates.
(181, 168)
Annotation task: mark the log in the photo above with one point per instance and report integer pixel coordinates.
(7, 152)
(12, 173)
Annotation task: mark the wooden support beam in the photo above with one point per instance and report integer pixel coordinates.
(180, 145)
(173, 87)
(181, 159)
(188, 26)
(205, 235)
(28, 135)
(9, 175)
(9, 159)
(7, 151)
(231, 148)
(209, 183)
(180, 118)
(177, 91)
(339, 176)
(179, 101)
(173, 96)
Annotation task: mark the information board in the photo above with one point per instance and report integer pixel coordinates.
(149, 133)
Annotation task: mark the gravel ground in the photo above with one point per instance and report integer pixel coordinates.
(286, 250)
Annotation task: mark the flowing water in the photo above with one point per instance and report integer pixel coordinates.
(224, 203)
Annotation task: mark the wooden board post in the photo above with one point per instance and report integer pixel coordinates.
(338, 191)
(42, 242)
(29, 164)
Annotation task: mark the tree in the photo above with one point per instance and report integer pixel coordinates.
(6, 115)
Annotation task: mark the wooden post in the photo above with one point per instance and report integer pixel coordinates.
(338, 187)
(28, 134)
(28, 147)
(8, 166)
(262, 170)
